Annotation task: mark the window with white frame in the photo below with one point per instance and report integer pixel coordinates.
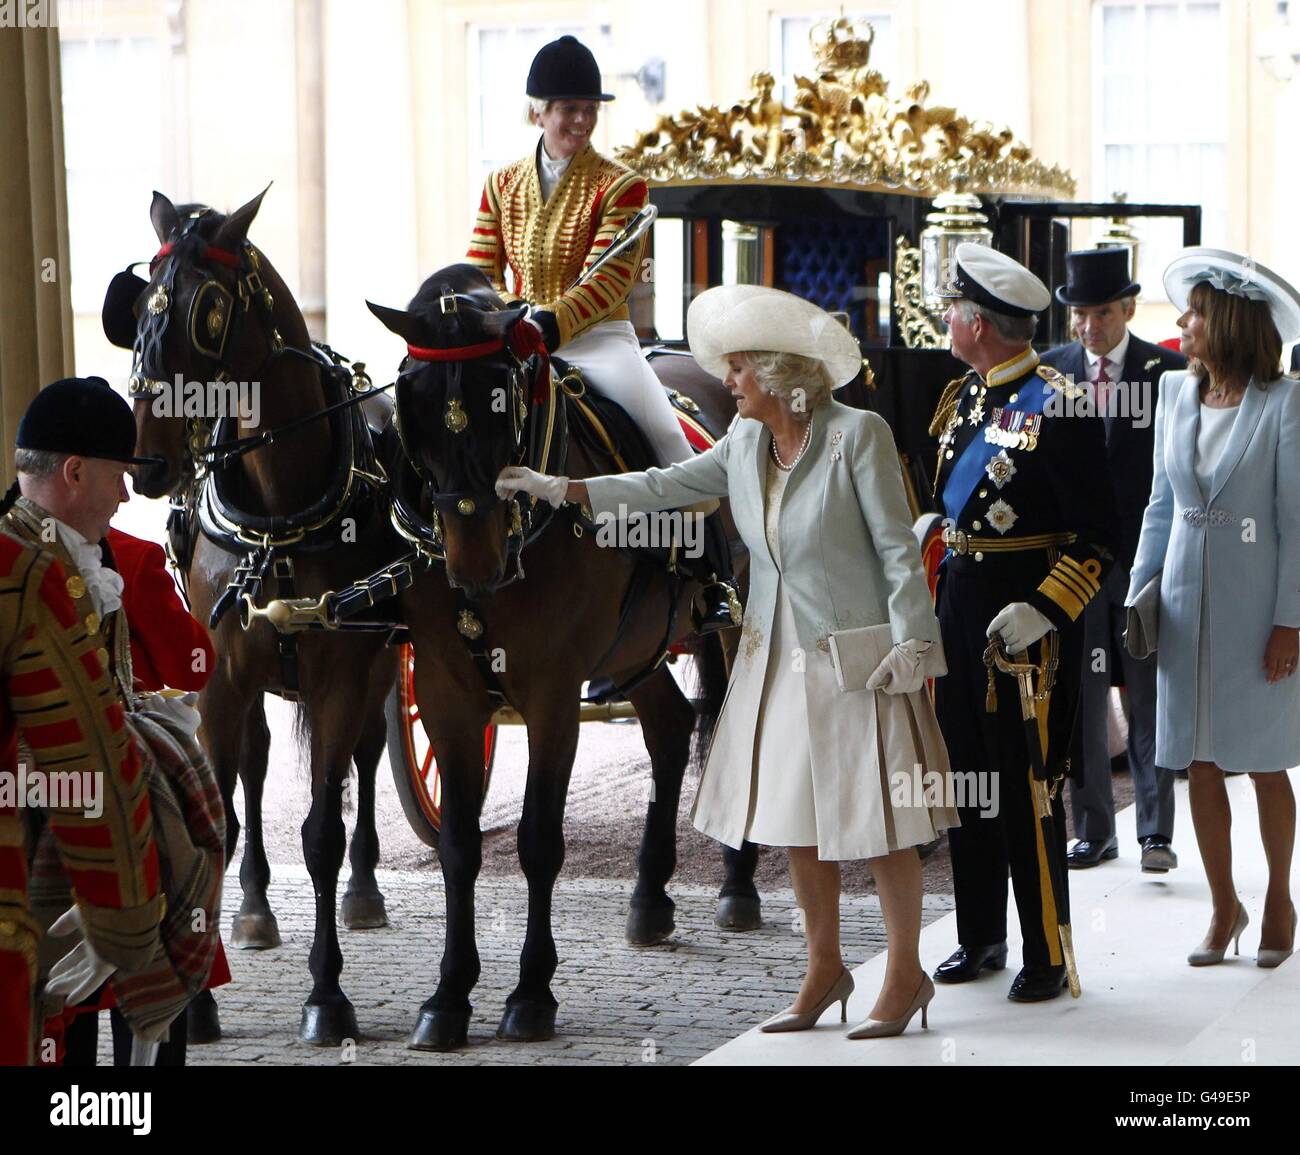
(792, 54)
(499, 59)
(1160, 116)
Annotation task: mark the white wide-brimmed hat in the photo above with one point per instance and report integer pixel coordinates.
(1239, 276)
(755, 319)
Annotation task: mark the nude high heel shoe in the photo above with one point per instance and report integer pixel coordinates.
(1206, 955)
(875, 1029)
(1275, 958)
(792, 1021)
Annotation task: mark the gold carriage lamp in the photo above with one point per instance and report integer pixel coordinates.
(958, 218)
(1120, 234)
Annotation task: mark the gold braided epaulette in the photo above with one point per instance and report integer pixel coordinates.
(948, 402)
(1060, 382)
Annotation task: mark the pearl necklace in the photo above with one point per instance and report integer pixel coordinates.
(776, 453)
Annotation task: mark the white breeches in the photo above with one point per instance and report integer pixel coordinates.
(609, 356)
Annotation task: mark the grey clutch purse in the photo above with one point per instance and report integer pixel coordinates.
(855, 654)
(1143, 622)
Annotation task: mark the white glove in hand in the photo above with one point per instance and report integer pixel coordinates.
(1020, 626)
(79, 973)
(516, 479)
(901, 671)
(176, 708)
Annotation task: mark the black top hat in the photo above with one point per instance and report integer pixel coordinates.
(1096, 277)
(81, 416)
(565, 69)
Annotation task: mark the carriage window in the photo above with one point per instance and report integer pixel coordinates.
(668, 277)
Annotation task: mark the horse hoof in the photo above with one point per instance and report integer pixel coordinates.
(364, 911)
(437, 1030)
(527, 1022)
(738, 912)
(648, 925)
(202, 1021)
(328, 1023)
(255, 932)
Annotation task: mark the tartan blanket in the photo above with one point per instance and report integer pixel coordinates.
(190, 829)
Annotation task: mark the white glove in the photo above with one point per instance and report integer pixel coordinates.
(902, 670)
(516, 479)
(79, 973)
(176, 708)
(1019, 625)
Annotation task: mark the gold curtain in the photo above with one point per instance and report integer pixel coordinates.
(35, 297)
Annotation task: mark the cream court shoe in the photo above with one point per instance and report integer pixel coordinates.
(1207, 956)
(1275, 958)
(875, 1029)
(790, 1020)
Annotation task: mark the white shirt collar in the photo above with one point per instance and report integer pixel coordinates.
(550, 171)
(1115, 356)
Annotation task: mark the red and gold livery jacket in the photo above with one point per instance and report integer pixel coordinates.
(547, 245)
(61, 700)
(1024, 483)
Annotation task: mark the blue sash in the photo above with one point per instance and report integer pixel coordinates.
(966, 474)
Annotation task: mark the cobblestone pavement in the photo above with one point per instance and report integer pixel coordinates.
(618, 1004)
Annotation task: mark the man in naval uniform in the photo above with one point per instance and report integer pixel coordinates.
(1029, 534)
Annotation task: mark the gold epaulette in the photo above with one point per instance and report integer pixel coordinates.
(1059, 381)
(948, 402)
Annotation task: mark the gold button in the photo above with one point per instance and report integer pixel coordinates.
(979, 556)
(1014, 397)
(102, 655)
(984, 493)
(976, 526)
(92, 622)
(76, 587)
(948, 454)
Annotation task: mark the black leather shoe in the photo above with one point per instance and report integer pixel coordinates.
(1158, 856)
(966, 963)
(1038, 984)
(1084, 853)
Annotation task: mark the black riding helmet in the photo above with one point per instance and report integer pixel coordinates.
(565, 69)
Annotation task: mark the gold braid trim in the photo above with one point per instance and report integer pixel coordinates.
(947, 406)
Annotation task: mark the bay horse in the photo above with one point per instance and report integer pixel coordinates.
(486, 635)
(215, 310)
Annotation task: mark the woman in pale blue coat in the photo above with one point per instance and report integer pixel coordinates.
(817, 496)
(1223, 525)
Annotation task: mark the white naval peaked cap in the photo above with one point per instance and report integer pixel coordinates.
(987, 277)
(755, 319)
(1239, 276)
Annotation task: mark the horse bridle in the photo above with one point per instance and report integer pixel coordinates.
(452, 359)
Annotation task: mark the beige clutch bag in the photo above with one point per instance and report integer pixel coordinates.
(1143, 621)
(855, 654)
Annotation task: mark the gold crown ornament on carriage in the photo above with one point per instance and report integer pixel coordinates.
(843, 129)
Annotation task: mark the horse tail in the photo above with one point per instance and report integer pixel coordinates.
(711, 684)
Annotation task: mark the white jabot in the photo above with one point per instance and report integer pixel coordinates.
(1115, 357)
(103, 584)
(550, 171)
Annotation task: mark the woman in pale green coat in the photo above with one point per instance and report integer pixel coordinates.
(817, 496)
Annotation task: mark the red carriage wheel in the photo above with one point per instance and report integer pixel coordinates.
(415, 769)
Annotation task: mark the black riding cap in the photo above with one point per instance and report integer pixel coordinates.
(81, 416)
(565, 69)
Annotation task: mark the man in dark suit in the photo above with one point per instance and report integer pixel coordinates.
(1122, 373)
